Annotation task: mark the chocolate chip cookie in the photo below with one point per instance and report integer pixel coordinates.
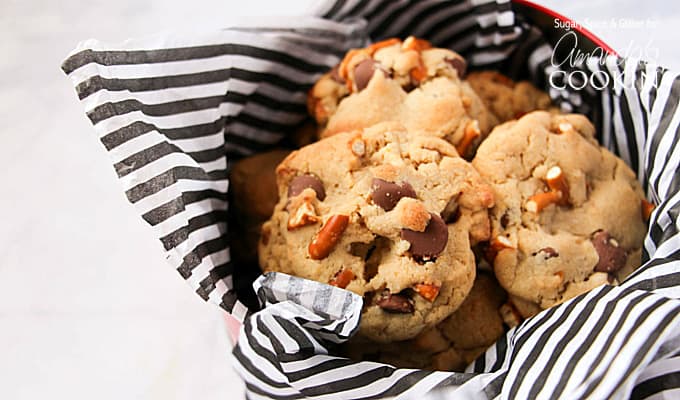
(453, 343)
(386, 213)
(507, 99)
(410, 82)
(569, 215)
(253, 195)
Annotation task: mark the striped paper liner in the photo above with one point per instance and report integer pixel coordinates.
(174, 111)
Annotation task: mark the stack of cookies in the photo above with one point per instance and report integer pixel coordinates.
(447, 201)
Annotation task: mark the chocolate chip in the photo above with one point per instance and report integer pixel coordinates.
(363, 72)
(547, 252)
(451, 213)
(335, 74)
(387, 194)
(505, 220)
(612, 256)
(430, 243)
(302, 182)
(395, 303)
(459, 65)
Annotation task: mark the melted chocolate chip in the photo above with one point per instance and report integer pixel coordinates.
(387, 194)
(612, 256)
(395, 303)
(430, 243)
(302, 182)
(459, 65)
(451, 213)
(361, 250)
(363, 72)
(374, 257)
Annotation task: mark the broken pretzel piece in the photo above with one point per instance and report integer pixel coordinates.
(496, 245)
(558, 194)
(419, 72)
(303, 214)
(357, 146)
(329, 235)
(557, 182)
(646, 209)
(540, 201)
(428, 291)
(470, 133)
(383, 43)
(342, 278)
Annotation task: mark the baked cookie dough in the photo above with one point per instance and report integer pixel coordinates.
(453, 343)
(507, 99)
(410, 82)
(253, 195)
(385, 213)
(569, 215)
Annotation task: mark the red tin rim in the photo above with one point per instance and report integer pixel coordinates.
(577, 27)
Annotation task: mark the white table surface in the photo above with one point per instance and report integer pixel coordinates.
(88, 307)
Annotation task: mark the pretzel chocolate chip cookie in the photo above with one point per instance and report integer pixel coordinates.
(406, 81)
(507, 99)
(569, 215)
(387, 214)
(452, 344)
